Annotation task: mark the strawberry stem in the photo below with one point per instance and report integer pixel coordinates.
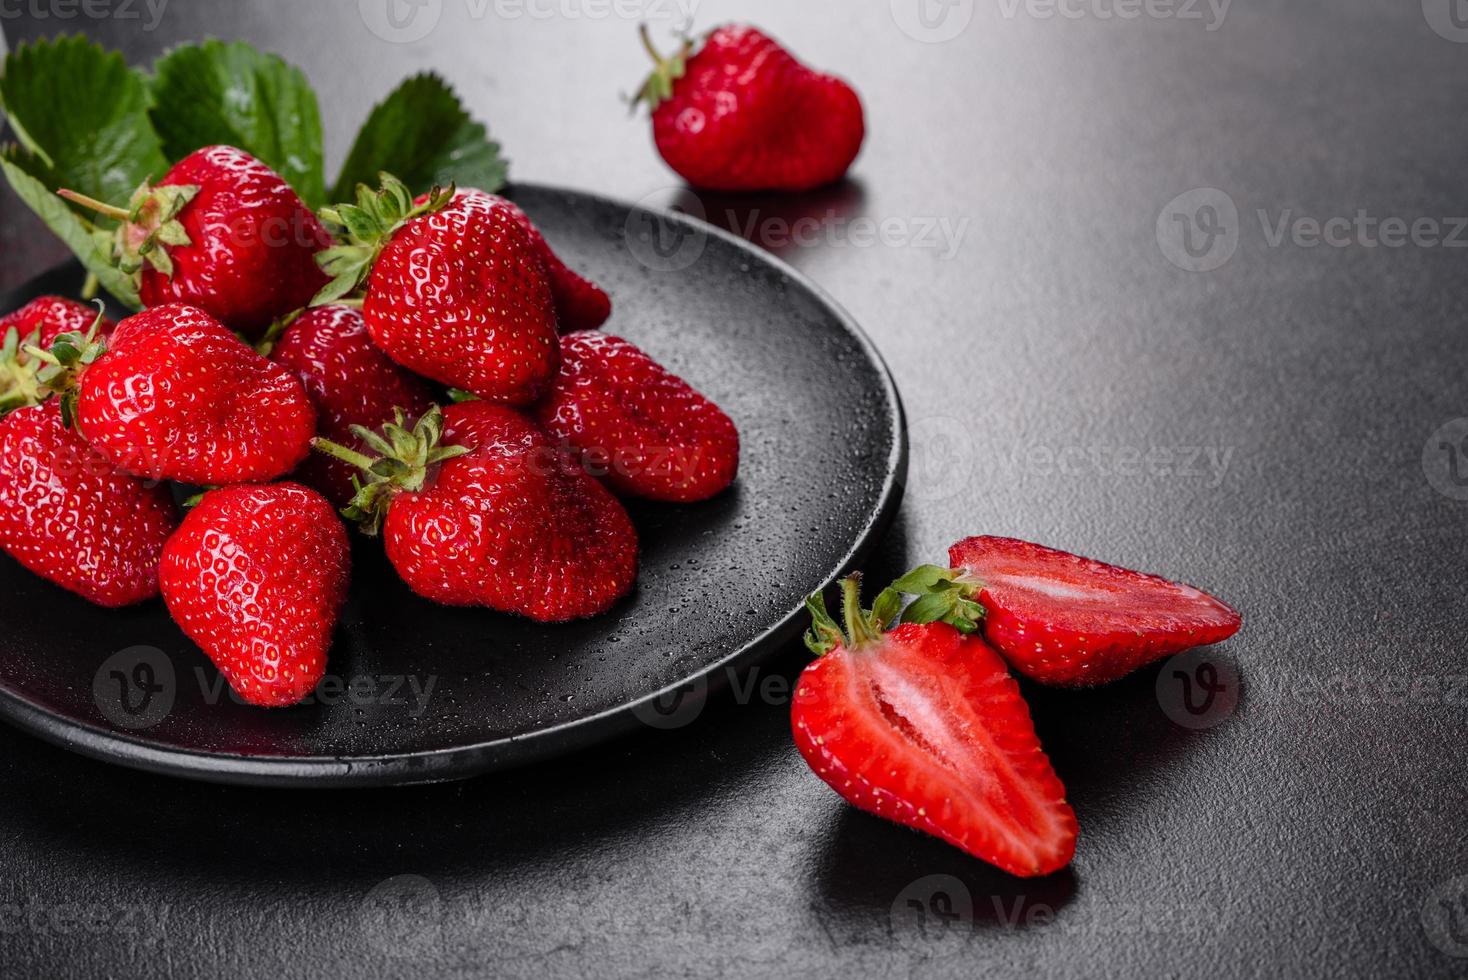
(91, 203)
(658, 85)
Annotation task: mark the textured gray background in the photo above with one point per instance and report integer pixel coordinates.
(1314, 831)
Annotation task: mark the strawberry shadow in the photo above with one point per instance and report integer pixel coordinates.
(785, 225)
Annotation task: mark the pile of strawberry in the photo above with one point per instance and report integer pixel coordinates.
(910, 713)
(346, 335)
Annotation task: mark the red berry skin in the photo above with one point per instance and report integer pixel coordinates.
(509, 527)
(1075, 622)
(253, 243)
(638, 425)
(52, 316)
(747, 116)
(925, 727)
(460, 296)
(350, 382)
(179, 397)
(256, 575)
(69, 516)
(580, 303)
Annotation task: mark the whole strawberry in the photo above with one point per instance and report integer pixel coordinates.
(223, 232)
(69, 516)
(455, 288)
(924, 726)
(580, 303)
(636, 424)
(256, 575)
(179, 397)
(1062, 619)
(740, 113)
(38, 324)
(350, 382)
(477, 509)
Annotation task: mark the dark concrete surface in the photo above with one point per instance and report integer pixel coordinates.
(1271, 429)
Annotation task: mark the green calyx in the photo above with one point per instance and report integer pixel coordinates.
(404, 458)
(658, 85)
(19, 385)
(146, 227)
(944, 595)
(365, 228)
(863, 626)
(57, 371)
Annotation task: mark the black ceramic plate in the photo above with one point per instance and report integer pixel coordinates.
(417, 692)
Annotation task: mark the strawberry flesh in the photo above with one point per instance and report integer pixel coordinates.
(50, 317)
(1066, 620)
(580, 303)
(924, 726)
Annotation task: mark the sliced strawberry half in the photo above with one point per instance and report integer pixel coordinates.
(924, 726)
(1062, 619)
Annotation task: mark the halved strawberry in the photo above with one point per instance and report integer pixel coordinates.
(924, 726)
(1062, 619)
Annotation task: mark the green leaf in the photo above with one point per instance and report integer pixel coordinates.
(423, 135)
(82, 115)
(924, 578)
(232, 94)
(20, 170)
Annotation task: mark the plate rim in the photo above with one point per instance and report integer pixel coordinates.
(469, 760)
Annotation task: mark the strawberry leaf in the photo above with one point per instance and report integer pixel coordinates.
(26, 177)
(82, 116)
(233, 94)
(422, 134)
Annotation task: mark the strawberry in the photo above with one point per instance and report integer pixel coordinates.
(39, 324)
(255, 575)
(741, 114)
(924, 726)
(179, 397)
(580, 303)
(635, 421)
(476, 508)
(69, 516)
(455, 289)
(350, 382)
(223, 232)
(1061, 619)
